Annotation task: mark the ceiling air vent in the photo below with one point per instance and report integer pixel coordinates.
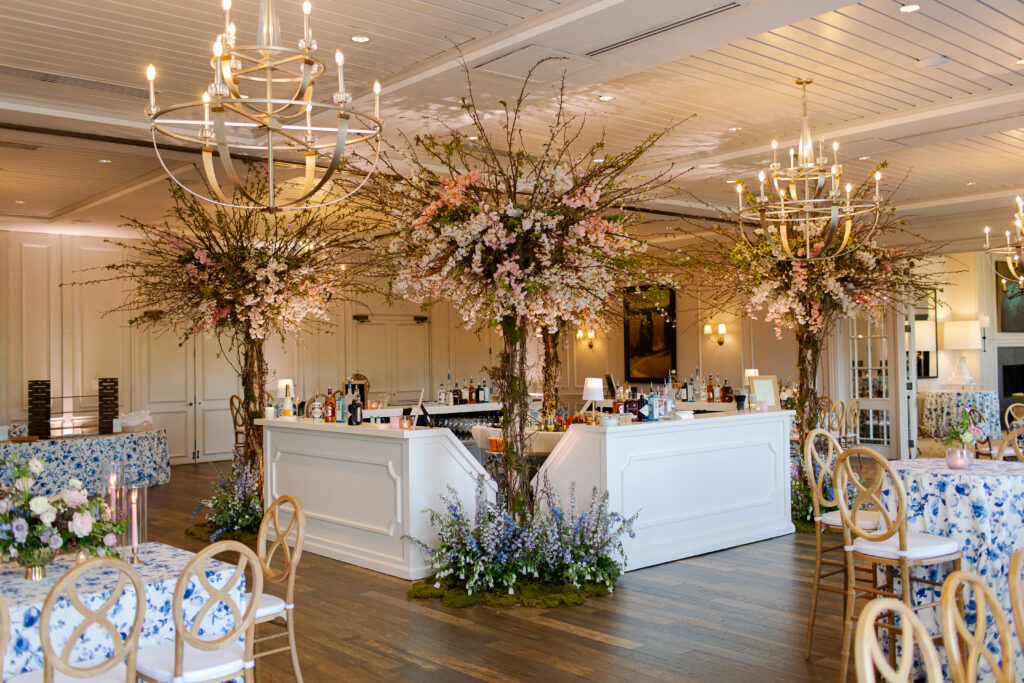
(74, 81)
(658, 30)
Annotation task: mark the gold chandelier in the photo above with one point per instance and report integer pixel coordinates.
(807, 213)
(1010, 254)
(260, 108)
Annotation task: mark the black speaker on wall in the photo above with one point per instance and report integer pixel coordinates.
(39, 408)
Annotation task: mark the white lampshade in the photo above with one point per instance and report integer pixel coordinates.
(721, 328)
(593, 389)
(961, 335)
(751, 372)
(924, 333)
(281, 384)
(707, 328)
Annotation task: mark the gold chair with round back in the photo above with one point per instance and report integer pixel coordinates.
(889, 544)
(1017, 593)
(192, 656)
(58, 662)
(289, 539)
(870, 655)
(1011, 446)
(966, 648)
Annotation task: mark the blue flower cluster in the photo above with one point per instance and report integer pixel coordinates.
(236, 504)
(492, 549)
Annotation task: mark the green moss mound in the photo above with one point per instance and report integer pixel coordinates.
(530, 593)
(204, 530)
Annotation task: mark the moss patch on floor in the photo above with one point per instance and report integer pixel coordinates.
(204, 530)
(526, 594)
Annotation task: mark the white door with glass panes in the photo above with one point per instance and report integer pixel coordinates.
(871, 368)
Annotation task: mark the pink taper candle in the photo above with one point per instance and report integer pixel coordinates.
(135, 519)
(113, 496)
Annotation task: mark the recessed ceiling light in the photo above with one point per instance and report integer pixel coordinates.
(730, 181)
(863, 158)
(105, 161)
(971, 182)
(19, 201)
(908, 8)
(599, 160)
(473, 138)
(734, 129)
(606, 98)
(360, 39)
(1021, 60)
(932, 61)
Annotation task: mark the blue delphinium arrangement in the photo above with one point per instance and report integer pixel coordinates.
(236, 508)
(491, 551)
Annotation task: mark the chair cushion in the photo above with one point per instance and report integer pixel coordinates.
(866, 519)
(157, 663)
(919, 546)
(269, 605)
(115, 675)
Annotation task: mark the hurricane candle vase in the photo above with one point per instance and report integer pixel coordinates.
(957, 458)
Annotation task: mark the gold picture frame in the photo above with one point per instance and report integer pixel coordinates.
(769, 385)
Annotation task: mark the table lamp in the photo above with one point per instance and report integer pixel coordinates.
(593, 390)
(961, 335)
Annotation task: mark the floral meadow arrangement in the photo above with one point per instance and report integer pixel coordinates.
(235, 509)
(34, 528)
(555, 555)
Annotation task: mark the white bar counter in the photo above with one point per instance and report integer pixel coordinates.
(703, 484)
(435, 409)
(364, 487)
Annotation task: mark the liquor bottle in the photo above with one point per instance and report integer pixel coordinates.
(287, 409)
(456, 395)
(630, 405)
(726, 391)
(329, 406)
(355, 410)
(449, 397)
(481, 391)
(440, 394)
(339, 410)
(709, 389)
(471, 392)
(642, 411)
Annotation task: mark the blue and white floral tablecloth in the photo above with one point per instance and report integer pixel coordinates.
(162, 565)
(83, 457)
(983, 509)
(942, 408)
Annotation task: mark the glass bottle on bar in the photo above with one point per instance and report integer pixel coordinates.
(471, 392)
(456, 394)
(329, 406)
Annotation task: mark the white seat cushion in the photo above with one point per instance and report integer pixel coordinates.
(114, 675)
(866, 519)
(919, 546)
(269, 605)
(157, 662)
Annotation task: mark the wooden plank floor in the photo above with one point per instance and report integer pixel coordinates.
(735, 615)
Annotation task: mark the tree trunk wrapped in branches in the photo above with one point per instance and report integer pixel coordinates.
(552, 367)
(509, 378)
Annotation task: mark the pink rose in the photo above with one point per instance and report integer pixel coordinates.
(109, 540)
(75, 498)
(81, 523)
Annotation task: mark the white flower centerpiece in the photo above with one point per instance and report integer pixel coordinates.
(34, 528)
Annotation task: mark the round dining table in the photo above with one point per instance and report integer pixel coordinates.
(941, 409)
(981, 507)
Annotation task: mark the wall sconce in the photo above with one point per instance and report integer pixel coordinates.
(721, 332)
(588, 335)
(984, 321)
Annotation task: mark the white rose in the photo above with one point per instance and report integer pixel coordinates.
(49, 516)
(74, 483)
(39, 504)
(35, 466)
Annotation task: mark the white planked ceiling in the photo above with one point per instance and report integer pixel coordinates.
(953, 135)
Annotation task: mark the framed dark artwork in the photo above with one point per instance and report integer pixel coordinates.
(1011, 300)
(926, 334)
(650, 334)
